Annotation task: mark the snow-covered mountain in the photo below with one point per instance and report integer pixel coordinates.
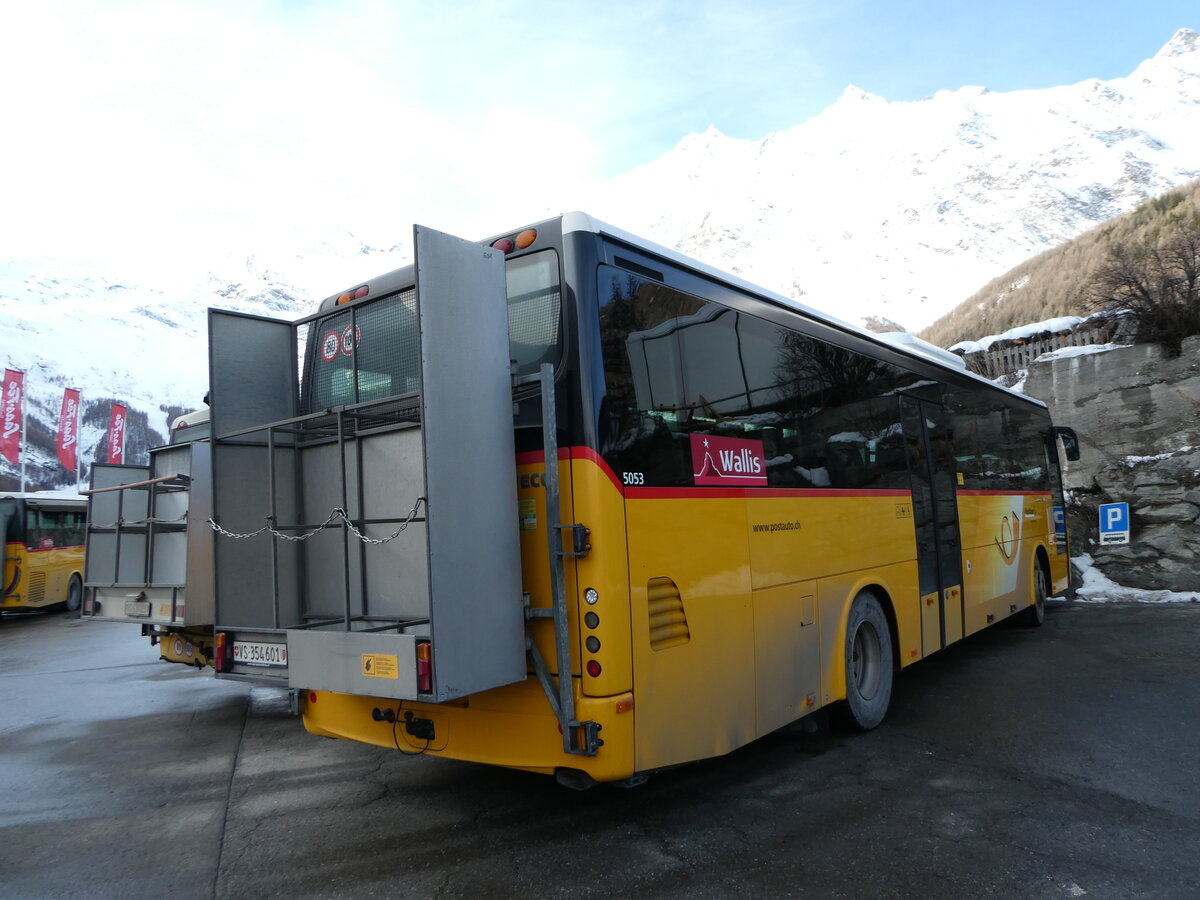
(902, 210)
(143, 345)
(872, 209)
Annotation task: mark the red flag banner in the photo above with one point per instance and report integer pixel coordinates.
(116, 434)
(68, 429)
(11, 400)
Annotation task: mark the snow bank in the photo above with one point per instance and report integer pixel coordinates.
(1021, 332)
(1099, 588)
(1086, 350)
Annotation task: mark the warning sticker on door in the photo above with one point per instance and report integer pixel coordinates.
(380, 665)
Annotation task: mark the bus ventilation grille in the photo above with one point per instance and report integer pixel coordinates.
(668, 621)
(37, 588)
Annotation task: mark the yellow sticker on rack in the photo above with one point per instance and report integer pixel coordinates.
(380, 665)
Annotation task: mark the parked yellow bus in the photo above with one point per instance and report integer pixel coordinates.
(664, 513)
(43, 551)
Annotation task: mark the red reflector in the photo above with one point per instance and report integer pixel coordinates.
(361, 292)
(593, 668)
(312, 696)
(220, 653)
(504, 245)
(424, 667)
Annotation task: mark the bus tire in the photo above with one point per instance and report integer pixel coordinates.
(869, 665)
(1035, 614)
(74, 595)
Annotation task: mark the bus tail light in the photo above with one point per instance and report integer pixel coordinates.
(425, 667)
(507, 245)
(220, 652)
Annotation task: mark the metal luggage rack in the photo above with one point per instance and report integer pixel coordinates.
(330, 424)
(399, 626)
(365, 418)
(345, 427)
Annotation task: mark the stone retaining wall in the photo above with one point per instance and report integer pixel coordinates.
(1137, 414)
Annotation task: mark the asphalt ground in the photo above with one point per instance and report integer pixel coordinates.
(1052, 762)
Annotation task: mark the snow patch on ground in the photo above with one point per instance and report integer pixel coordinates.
(1099, 588)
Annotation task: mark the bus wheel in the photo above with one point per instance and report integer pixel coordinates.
(869, 669)
(74, 594)
(1035, 615)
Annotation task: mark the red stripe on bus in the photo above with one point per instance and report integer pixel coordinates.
(667, 493)
(534, 457)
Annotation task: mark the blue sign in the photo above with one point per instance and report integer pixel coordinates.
(1058, 515)
(1114, 523)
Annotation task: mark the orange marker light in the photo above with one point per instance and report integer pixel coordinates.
(525, 238)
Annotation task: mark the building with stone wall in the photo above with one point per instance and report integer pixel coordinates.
(1014, 350)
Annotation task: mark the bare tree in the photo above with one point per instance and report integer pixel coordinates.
(1157, 284)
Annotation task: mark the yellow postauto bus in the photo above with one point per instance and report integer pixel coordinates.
(43, 551)
(731, 510)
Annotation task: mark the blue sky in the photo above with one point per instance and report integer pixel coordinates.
(135, 128)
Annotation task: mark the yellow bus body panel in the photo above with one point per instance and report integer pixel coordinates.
(37, 578)
(765, 584)
(720, 616)
(1001, 536)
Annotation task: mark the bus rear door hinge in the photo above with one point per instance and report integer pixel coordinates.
(580, 545)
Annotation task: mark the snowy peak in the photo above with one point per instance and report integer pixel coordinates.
(899, 210)
(1183, 44)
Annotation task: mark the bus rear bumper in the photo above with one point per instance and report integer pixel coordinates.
(511, 726)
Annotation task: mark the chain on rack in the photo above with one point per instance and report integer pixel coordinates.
(335, 515)
(149, 520)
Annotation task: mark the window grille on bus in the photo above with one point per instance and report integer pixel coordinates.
(37, 588)
(668, 620)
(360, 354)
(533, 322)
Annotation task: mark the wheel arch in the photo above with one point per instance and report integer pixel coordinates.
(837, 671)
(1041, 557)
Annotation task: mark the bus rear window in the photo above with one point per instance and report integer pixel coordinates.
(369, 351)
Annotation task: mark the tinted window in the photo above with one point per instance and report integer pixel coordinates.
(46, 528)
(999, 446)
(10, 520)
(677, 367)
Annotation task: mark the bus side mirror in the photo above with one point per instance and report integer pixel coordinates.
(1070, 441)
